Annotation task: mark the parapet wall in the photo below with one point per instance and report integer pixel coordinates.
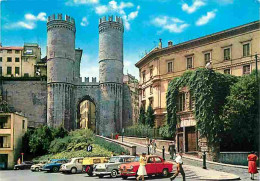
(59, 21)
(111, 22)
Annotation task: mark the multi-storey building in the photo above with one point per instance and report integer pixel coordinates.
(133, 85)
(12, 128)
(87, 115)
(22, 61)
(231, 52)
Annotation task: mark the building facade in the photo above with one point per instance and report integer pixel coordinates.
(88, 115)
(133, 86)
(12, 128)
(231, 52)
(21, 61)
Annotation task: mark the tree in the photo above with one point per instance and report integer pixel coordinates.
(60, 132)
(150, 117)
(141, 119)
(240, 115)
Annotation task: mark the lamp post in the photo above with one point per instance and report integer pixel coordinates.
(123, 130)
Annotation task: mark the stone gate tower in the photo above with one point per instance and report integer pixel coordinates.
(111, 73)
(60, 71)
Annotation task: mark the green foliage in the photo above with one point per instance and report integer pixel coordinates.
(240, 114)
(59, 144)
(25, 141)
(60, 132)
(209, 90)
(139, 130)
(141, 119)
(110, 146)
(150, 117)
(164, 131)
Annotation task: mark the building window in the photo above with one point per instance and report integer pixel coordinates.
(17, 59)
(151, 72)
(17, 70)
(227, 71)
(23, 124)
(207, 58)
(143, 74)
(1, 51)
(189, 62)
(151, 89)
(9, 51)
(227, 52)
(246, 50)
(1, 59)
(1, 71)
(169, 67)
(17, 51)
(9, 59)
(246, 69)
(9, 70)
(181, 102)
(144, 93)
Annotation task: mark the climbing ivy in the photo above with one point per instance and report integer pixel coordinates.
(208, 89)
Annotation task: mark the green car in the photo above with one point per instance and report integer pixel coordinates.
(111, 168)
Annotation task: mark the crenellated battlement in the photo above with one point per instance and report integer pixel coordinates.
(111, 22)
(60, 17)
(87, 81)
(59, 21)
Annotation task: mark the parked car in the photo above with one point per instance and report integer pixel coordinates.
(38, 167)
(155, 166)
(73, 166)
(111, 168)
(54, 166)
(89, 162)
(24, 165)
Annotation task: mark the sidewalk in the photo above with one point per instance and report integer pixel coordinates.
(193, 172)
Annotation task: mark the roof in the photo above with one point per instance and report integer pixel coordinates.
(201, 41)
(11, 48)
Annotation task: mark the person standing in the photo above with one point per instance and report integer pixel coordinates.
(179, 162)
(142, 170)
(172, 150)
(19, 161)
(151, 149)
(252, 167)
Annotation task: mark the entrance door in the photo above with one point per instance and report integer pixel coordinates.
(191, 139)
(180, 142)
(3, 161)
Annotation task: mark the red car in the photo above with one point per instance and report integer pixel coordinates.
(155, 166)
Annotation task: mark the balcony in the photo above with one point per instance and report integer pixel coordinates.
(5, 142)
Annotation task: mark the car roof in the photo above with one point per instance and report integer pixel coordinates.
(124, 156)
(54, 160)
(78, 158)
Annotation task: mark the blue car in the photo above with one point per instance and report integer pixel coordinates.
(54, 166)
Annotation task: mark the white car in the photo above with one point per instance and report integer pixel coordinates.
(37, 167)
(73, 166)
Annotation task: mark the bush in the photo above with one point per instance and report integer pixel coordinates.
(110, 146)
(59, 144)
(164, 131)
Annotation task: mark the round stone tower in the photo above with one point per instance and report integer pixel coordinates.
(60, 70)
(111, 74)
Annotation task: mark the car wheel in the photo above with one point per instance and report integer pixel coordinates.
(55, 169)
(165, 172)
(100, 176)
(37, 169)
(73, 170)
(124, 177)
(114, 173)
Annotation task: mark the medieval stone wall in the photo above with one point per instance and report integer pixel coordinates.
(29, 98)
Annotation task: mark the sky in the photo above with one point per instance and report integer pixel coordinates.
(145, 21)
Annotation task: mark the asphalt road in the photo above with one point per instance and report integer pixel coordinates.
(27, 175)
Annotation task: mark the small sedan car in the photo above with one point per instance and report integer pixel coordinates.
(37, 167)
(155, 166)
(89, 162)
(55, 165)
(111, 168)
(24, 165)
(73, 166)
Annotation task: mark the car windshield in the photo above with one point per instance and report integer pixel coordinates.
(114, 160)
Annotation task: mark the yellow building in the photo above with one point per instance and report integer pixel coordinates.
(12, 128)
(231, 52)
(22, 61)
(87, 115)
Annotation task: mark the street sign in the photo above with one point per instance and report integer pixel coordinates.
(22, 153)
(89, 148)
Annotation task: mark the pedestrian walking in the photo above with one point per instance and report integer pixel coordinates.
(19, 161)
(142, 170)
(172, 150)
(151, 149)
(154, 146)
(179, 162)
(252, 167)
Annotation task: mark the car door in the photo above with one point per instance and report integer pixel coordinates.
(150, 166)
(158, 165)
(79, 164)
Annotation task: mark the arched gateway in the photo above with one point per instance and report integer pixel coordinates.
(65, 86)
